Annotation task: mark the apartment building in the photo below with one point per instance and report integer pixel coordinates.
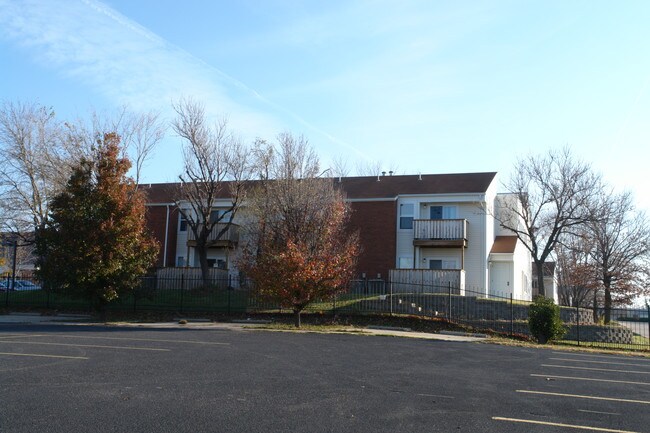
(434, 228)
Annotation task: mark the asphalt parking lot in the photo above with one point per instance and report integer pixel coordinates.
(57, 378)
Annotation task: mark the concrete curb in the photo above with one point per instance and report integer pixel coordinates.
(389, 328)
(464, 334)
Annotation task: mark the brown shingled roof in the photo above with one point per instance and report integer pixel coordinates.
(391, 186)
(504, 245)
(369, 187)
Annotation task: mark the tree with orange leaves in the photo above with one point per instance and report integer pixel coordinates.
(299, 246)
(95, 245)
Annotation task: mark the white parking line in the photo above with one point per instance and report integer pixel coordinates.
(86, 345)
(628, 382)
(556, 424)
(126, 339)
(589, 397)
(596, 369)
(637, 358)
(599, 362)
(42, 356)
(435, 395)
(598, 412)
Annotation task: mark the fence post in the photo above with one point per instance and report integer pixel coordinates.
(7, 293)
(229, 290)
(578, 323)
(182, 290)
(449, 301)
(512, 316)
(391, 297)
(647, 306)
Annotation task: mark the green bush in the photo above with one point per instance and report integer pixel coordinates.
(544, 320)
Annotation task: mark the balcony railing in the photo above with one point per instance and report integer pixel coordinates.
(229, 238)
(428, 280)
(452, 232)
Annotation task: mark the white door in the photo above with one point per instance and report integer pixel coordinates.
(501, 278)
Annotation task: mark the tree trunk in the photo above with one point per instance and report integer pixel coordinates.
(297, 317)
(203, 262)
(540, 279)
(608, 305)
(595, 306)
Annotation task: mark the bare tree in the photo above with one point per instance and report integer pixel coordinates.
(34, 165)
(368, 168)
(140, 133)
(38, 152)
(339, 167)
(376, 168)
(215, 167)
(552, 193)
(621, 237)
(575, 271)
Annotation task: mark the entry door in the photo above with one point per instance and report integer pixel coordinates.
(501, 277)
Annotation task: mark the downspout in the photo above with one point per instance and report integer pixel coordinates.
(166, 236)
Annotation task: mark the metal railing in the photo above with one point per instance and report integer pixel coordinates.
(477, 310)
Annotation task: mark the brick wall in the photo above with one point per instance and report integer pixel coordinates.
(156, 219)
(376, 222)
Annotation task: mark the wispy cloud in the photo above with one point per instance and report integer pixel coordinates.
(88, 41)
(125, 62)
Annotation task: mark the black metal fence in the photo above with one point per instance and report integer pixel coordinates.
(628, 328)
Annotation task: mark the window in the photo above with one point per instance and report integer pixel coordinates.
(182, 223)
(443, 212)
(219, 215)
(180, 261)
(442, 264)
(406, 212)
(405, 263)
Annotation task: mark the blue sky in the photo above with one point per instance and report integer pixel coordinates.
(421, 86)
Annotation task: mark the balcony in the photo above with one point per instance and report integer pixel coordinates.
(229, 239)
(450, 233)
(428, 281)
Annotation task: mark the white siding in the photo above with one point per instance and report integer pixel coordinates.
(523, 273)
(469, 207)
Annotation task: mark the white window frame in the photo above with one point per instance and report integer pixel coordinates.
(182, 218)
(447, 263)
(448, 212)
(406, 215)
(405, 263)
